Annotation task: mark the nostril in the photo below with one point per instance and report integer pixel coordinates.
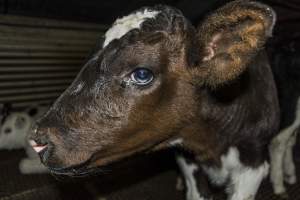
(41, 141)
(38, 139)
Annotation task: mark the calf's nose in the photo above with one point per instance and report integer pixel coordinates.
(38, 138)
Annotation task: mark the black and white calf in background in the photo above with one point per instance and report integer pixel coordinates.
(14, 130)
(286, 69)
(159, 82)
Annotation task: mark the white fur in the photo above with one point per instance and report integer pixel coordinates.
(20, 124)
(288, 162)
(219, 176)
(246, 181)
(281, 154)
(127, 23)
(32, 164)
(243, 182)
(188, 171)
(176, 142)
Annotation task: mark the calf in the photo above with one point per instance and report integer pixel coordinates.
(159, 82)
(13, 135)
(14, 129)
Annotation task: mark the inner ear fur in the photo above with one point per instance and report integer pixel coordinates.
(229, 38)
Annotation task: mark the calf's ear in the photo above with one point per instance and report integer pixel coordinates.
(229, 38)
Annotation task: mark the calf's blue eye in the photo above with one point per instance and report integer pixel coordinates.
(142, 76)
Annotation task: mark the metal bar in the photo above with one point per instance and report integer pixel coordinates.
(29, 96)
(32, 102)
(38, 54)
(22, 83)
(48, 32)
(46, 46)
(49, 40)
(36, 47)
(39, 58)
(67, 43)
(38, 75)
(46, 68)
(45, 42)
(40, 61)
(30, 21)
(18, 91)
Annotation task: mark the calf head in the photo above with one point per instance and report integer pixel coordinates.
(143, 90)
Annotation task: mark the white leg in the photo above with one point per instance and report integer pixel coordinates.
(281, 157)
(277, 150)
(32, 166)
(188, 170)
(179, 184)
(288, 162)
(245, 181)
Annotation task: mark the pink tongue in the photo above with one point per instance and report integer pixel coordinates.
(37, 147)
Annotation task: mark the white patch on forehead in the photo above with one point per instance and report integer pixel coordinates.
(127, 23)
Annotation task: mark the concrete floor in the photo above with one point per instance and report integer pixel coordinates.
(152, 177)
